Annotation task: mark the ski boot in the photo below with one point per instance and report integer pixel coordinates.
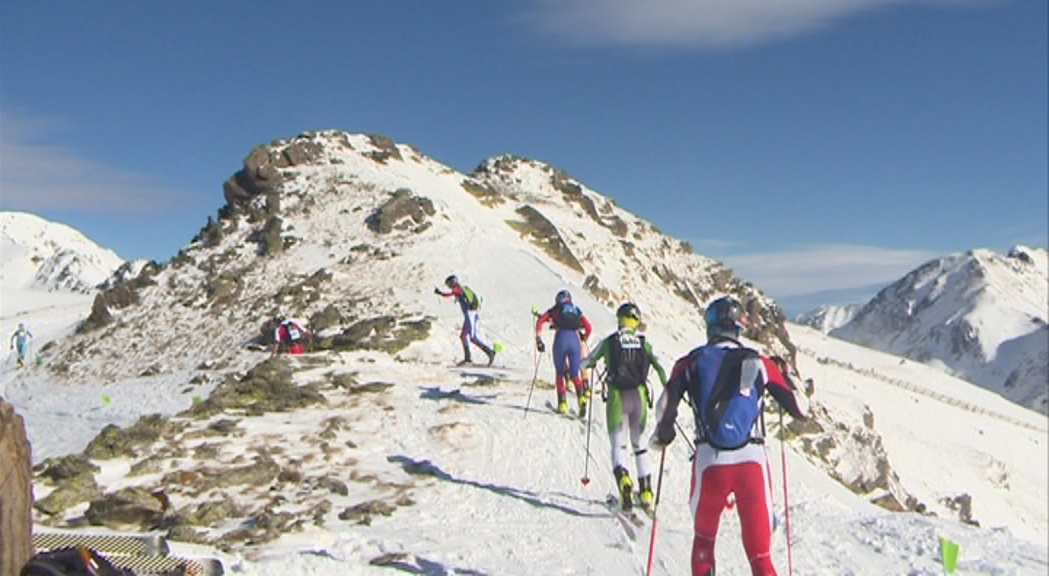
(647, 499)
(584, 400)
(562, 404)
(626, 488)
(491, 355)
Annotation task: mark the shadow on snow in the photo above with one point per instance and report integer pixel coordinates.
(427, 468)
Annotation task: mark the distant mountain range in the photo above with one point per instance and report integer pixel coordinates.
(37, 254)
(980, 315)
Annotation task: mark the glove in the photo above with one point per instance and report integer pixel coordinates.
(437, 291)
(662, 438)
(539, 345)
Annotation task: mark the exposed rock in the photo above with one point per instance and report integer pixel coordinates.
(265, 388)
(269, 238)
(16, 492)
(69, 493)
(387, 149)
(402, 205)
(225, 289)
(114, 441)
(963, 504)
(385, 333)
(362, 513)
(65, 467)
(544, 234)
(99, 316)
(128, 506)
(261, 472)
(208, 513)
(326, 318)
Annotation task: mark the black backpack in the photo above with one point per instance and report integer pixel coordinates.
(628, 361)
(570, 317)
(74, 561)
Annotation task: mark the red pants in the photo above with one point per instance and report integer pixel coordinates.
(295, 348)
(716, 475)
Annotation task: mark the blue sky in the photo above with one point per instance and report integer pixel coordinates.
(814, 145)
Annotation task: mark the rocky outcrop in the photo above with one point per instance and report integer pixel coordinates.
(16, 492)
(545, 235)
(261, 176)
(403, 211)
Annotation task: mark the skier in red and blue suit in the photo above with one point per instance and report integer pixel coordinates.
(721, 473)
(568, 320)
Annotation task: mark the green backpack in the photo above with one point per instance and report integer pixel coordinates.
(473, 301)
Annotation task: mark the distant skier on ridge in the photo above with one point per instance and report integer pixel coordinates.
(289, 336)
(725, 382)
(21, 338)
(470, 304)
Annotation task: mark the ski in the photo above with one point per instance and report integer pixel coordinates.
(630, 520)
(472, 366)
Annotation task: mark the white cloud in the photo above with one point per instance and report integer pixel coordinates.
(697, 23)
(820, 268)
(39, 177)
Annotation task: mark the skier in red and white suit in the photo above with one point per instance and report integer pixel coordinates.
(719, 473)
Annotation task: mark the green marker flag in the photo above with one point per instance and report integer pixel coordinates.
(949, 555)
(498, 346)
(106, 400)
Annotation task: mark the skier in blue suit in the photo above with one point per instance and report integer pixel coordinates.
(21, 339)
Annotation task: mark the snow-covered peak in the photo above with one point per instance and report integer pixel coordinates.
(829, 317)
(980, 314)
(518, 175)
(356, 225)
(42, 255)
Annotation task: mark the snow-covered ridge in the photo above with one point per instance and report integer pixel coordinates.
(326, 209)
(43, 255)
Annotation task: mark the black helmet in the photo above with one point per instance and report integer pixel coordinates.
(724, 316)
(629, 310)
(451, 281)
(628, 316)
(562, 297)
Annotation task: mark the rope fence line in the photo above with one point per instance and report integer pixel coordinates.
(924, 392)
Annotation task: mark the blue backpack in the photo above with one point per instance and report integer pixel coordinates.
(727, 399)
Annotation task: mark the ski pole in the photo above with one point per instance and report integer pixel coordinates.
(655, 507)
(680, 430)
(589, 420)
(538, 359)
(786, 500)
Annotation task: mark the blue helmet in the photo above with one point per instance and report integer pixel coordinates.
(562, 297)
(724, 317)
